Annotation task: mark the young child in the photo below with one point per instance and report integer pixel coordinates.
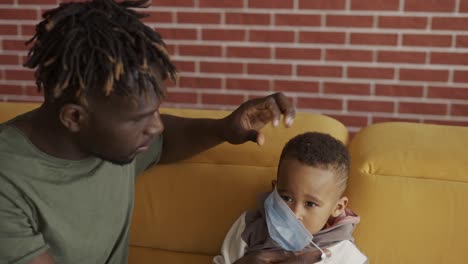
(306, 210)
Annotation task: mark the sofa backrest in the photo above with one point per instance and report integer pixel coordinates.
(188, 207)
(409, 183)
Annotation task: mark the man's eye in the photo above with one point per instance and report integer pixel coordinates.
(286, 198)
(311, 204)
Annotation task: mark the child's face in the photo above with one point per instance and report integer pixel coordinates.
(310, 192)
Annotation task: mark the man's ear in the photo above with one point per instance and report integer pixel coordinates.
(273, 184)
(340, 206)
(73, 117)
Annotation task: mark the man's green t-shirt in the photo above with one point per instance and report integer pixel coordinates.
(79, 211)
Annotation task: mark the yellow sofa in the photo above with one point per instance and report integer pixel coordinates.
(409, 183)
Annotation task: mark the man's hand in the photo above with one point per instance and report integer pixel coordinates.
(245, 122)
(281, 257)
(184, 137)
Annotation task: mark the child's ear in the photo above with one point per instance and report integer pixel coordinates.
(340, 206)
(273, 184)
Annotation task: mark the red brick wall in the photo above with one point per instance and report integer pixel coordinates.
(360, 61)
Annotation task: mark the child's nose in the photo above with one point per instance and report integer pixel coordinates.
(297, 210)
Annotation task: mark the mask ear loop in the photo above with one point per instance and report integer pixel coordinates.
(323, 256)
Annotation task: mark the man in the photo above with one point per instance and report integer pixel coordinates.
(67, 169)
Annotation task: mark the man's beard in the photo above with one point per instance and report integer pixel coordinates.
(120, 162)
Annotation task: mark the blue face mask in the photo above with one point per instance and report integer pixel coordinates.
(284, 227)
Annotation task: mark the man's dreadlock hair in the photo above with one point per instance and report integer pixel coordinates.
(321, 151)
(98, 48)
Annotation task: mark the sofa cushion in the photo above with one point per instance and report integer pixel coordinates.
(409, 183)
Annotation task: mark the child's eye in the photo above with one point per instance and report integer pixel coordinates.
(286, 198)
(311, 204)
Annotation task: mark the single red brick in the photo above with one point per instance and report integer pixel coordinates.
(430, 6)
(175, 3)
(221, 67)
(14, 45)
(427, 40)
(271, 36)
(33, 91)
(398, 90)
(448, 93)
(224, 34)
(450, 23)
(351, 120)
(9, 59)
(298, 20)
(321, 71)
(461, 76)
(449, 58)
(18, 14)
(347, 88)
(402, 22)
(298, 53)
(195, 50)
(159, 17)
(371, 106)
(322, 4)
(181, 97)
(393, 119)
(296, 86)
(248, 52)
(348, 55)
(171, 49)
(199, 82)
(459, 110)
(37, 2)
(374, 39)
(269, 69)
(247, 19)
(20, 75)
(222, 99)
(184, 66)
(319, 103)
(198, 18)
(384, 5)
(322, 37)
(422, 108)
(8, 30)
(28, 30)
(462, 42)
(424, 75)
(178, 33)
(349, 21)
(11, 89)
(371, 73)
(222, 4)
(271, 4)
(463, 6)
(402, 56)
(247, 84)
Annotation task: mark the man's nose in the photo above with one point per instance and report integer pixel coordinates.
(155, 125)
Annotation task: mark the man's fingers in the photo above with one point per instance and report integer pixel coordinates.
(273, 107)
(307, 257)
(260, 139)
(286, 108)
(276, 256)
(254, 136)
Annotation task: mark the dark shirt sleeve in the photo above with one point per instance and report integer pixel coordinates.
(19, 242)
